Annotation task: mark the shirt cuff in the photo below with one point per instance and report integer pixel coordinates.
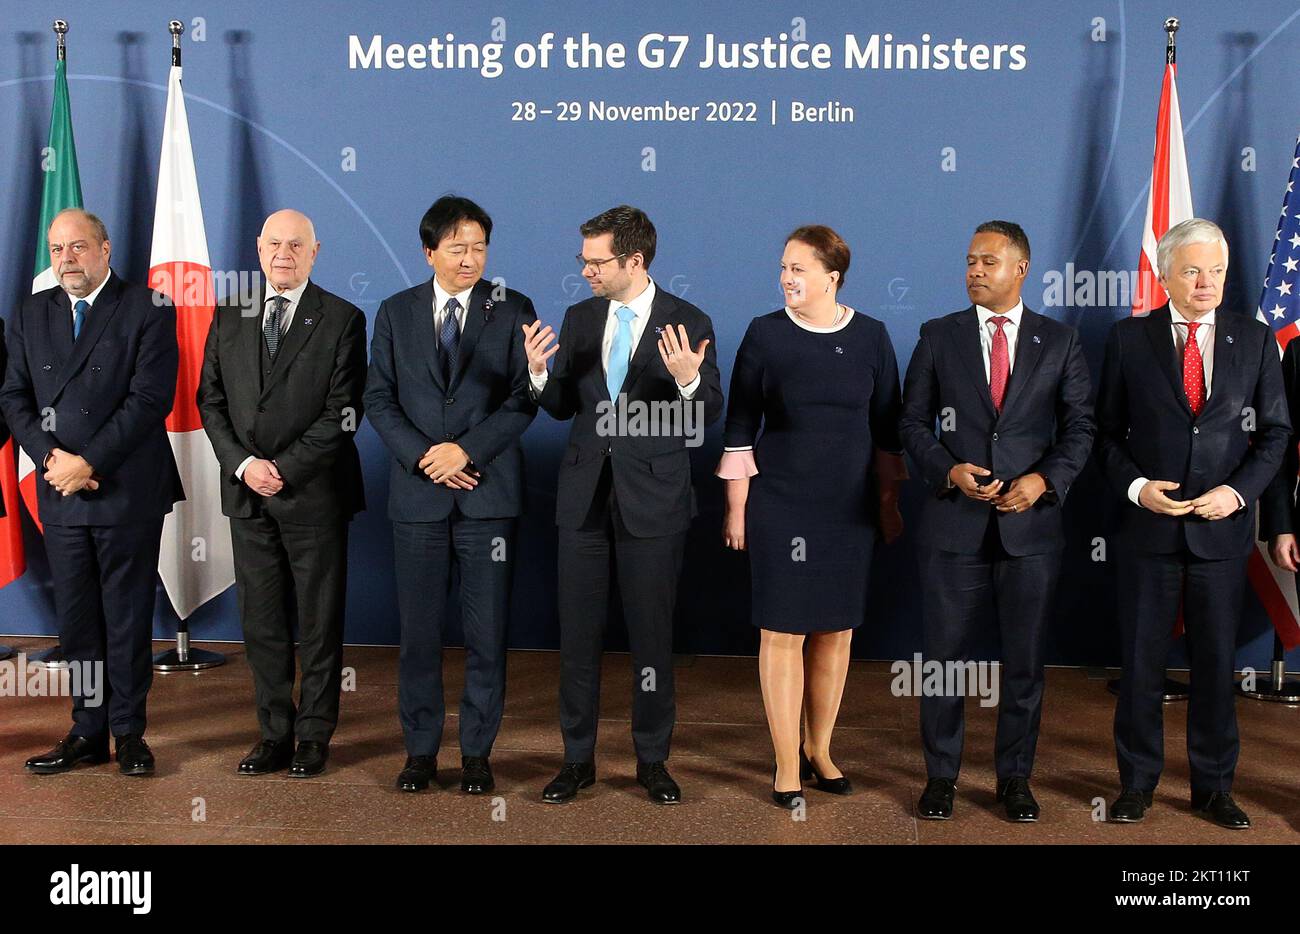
(539, 382)
(737, 465)
(239, 471)
(1241, 503)
(1135, 490)
(689, 389)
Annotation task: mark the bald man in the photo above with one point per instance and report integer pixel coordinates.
(90, 379)
(280, 398)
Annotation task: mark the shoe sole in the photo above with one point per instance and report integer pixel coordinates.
(317, 774)
(138, 772)
(935, 816)
(581, 785)
(46, 770)
(1126, 820)
(478, 789)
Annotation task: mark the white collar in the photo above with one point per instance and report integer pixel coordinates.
(294, 295)
(90, 299)
(1014, 314)
(441, 296)
(1176, 316)
(640, 305)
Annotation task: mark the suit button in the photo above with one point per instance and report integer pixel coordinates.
(46, 367)
(250, 437)
(449, 436)
(449, 401)
(95, 369)
(995, 436)
(1196, 430)
(261, 409)
(608, 451)
(84, 412)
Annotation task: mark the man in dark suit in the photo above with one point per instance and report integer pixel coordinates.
(1009, 389)
(625, 499)
(280, 399)
(91, 377)
(448, 394)
(1192, 424)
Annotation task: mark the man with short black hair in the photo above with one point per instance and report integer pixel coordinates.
(624, 501)
(448, 394)
(1008, 389)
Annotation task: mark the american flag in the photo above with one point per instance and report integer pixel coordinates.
(1279, 305)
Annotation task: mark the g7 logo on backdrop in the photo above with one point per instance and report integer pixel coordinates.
(898, 289)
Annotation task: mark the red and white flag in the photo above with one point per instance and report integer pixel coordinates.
(196, 562)
(1170, 199)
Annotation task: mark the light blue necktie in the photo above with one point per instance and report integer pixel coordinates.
(79, 317)
(620, 353)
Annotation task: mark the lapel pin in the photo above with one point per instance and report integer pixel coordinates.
(1036, 340)
(839, 349)
(1228, 338)
(487, 309)
(308, 320)
(659, 330)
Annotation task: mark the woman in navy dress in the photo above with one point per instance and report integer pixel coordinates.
(807, 493)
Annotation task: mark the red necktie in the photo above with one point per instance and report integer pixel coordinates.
(1193, 370)
(999, 363)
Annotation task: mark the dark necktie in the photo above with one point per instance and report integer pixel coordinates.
(1193, 370)
(999, 363)
(449, 338)
(79, 317)
(271, 329)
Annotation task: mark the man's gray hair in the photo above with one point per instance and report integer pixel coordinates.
(100, 230)
(1196, 230)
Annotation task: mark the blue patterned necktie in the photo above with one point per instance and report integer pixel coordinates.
(271, 329)
(620, 352)
(449, 338)
(79, 317)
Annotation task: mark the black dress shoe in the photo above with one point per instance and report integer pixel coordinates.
(267, 756)
(70, 751)
(1220, 808)
(786, 799)
(309, 760)
(418, 772)
(573, 775)
(654, 778)
(936, 800)
(133, 755)
(476, 775)
(1130, 807)
(1019, 801)
(835, 786)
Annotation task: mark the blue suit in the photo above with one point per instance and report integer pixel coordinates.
(484, 407)
(104, 396)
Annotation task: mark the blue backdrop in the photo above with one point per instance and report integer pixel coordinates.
(287, 109)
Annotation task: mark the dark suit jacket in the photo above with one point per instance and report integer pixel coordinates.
(1146, 429)
(4, 426)
(304, 416)
(106, 398)
(485, 407)
(651, 475)
(1046, 426)
(1277, 505)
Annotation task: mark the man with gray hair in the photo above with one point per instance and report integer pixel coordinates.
(90, 380)
(1192, 423)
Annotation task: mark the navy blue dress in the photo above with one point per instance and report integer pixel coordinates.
(824, 401)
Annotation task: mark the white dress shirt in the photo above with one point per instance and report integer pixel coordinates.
(1205, 341)
(987, 329)
(294, 296)
(440, 299)
(641, 308)
(88, 299)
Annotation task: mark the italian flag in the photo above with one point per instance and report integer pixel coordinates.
(61, 190)
(196, 562)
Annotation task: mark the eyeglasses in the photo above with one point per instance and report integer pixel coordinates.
(595, 264)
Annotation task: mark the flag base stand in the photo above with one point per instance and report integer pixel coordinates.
(185, 658)
(1275, 686)
(48, 658)
(1175, 691)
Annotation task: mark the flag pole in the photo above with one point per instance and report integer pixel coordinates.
(53, 656)
(184, 657)
(1175, 690)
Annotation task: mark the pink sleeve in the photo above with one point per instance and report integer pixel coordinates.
(736, 465)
